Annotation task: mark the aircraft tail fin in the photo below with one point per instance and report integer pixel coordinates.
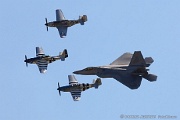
(39, 51)
(82, 19)
(137, 59)
(63, 55)
(59, 15)
(97, 83)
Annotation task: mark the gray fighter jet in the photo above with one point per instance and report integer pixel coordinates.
(62, 24)
(43, 60)
(129, 69)
(75, 88)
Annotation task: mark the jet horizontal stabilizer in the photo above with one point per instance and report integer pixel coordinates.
(148, 61)
(150, 77)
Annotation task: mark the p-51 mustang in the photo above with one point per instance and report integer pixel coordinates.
(62, 24)
(43, 60)
(75, 88)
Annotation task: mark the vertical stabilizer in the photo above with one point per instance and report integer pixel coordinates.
(59, 15)
(97, 83)
(63, 55)
(137, 59)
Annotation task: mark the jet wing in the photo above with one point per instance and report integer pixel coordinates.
(42, 65)
(76, 95)
(123, 59)
(62, 31)
(131, 81)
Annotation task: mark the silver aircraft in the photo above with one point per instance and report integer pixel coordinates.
(62, 24)
(129, 69)
(76, 88)
(43, 60)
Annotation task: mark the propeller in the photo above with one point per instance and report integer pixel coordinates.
(46, 23)
(59, 89)
(26, 61)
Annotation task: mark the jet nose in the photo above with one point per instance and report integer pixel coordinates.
(76, 72)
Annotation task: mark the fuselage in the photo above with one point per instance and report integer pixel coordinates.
(75, 87)
(47, 58)
(64, 23)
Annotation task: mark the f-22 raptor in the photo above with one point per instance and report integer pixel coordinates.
(43, 60)
(129, 69)
(75, 88)
(62, 24)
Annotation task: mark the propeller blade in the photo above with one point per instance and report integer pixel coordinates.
(26, 62)
(25, 57)
(59, 89)
(58, 85)
(46, 23)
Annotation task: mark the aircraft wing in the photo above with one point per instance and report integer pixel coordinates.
(123, 59)
(76, 95)
(72, 80)
(59, 15)
(62, 31)
(42, 65)
(131, 81)
(39, 51)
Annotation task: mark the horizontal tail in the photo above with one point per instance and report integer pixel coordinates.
(150, 77)
(63, 55)
(97, 83)
(148, 61)
(82, 19)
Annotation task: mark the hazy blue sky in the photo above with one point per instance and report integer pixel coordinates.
(113, 28)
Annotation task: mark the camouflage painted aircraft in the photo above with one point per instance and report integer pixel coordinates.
(43, 60)
(75, 88)
(129, 69)
(62, 24)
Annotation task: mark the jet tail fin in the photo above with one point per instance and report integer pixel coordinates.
(82, 19)
(97, 83)
(63, 55)
(137, 59)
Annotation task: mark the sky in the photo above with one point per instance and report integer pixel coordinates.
(113, 28)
